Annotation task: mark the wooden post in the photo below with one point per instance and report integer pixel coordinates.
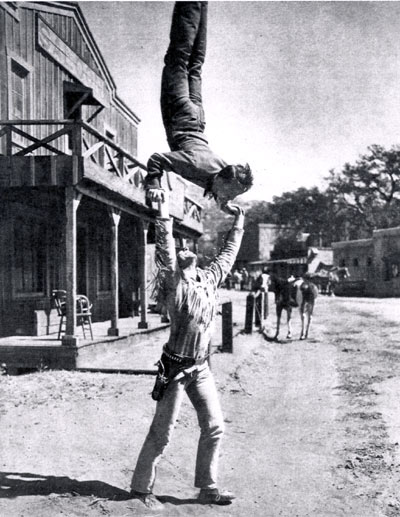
(9, 146)
(143, 276)
(115, 216)
(266, 308)
(76, 139)
(248, 325)
(72, 200)
(259, 309)
(227, 337)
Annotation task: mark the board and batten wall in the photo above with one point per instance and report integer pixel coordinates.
(19, 43)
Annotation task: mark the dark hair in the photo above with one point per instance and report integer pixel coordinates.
(242, 173)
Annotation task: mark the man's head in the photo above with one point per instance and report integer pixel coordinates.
(230, 182)
(186, 259)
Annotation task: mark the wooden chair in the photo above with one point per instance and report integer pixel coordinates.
(83, 311)
(60, 301)
(84, 314)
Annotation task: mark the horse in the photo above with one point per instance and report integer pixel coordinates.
(326, 278)
(321, 280)
(300, 293)
(336, 274)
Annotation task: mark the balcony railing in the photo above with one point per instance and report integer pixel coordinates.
(74, 138)
(77, 138)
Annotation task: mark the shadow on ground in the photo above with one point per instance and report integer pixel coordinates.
(14, 484)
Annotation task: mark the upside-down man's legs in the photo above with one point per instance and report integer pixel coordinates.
(181, 100)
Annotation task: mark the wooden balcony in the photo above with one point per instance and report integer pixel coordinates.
(73, 153)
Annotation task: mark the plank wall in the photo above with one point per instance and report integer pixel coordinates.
(18, 38)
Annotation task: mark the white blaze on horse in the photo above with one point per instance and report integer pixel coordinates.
(300, 293)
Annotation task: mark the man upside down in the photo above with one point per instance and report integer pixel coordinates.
(183, 115)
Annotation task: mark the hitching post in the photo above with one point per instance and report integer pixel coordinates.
(227, 338)
(259, 309)
(248, 325)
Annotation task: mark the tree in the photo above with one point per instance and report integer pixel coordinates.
(369, 191)
(307, 210)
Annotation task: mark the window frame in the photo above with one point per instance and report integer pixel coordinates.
(30, 218)
(28, 69)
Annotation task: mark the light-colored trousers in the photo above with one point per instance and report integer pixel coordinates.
(201, 390)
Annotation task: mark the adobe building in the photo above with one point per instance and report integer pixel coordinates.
(257, 250)
(73, 210)
(258, 243)
(373, 264)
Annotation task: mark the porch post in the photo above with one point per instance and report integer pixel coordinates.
(143, 276)
(72, 200)
(115, 216)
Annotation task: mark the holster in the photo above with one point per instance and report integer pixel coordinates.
(167, 370)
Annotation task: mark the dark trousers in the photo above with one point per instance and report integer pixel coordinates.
(181, 99)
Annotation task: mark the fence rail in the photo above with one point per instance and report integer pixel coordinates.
(78, 138)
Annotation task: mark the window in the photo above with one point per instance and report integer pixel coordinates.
(369, 261)
(104, 260)
(392, 268)
(355, 262)
(29, 257)
(19, 94)
(342, 263)
(395, 270)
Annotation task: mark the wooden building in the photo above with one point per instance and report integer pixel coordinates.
(73, 214)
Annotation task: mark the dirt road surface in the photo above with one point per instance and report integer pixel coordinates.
(312, 427)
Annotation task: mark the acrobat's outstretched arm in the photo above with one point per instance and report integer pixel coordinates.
(223, 263)
(165, 242)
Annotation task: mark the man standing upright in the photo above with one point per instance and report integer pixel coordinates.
(190, 295)
(183, 115)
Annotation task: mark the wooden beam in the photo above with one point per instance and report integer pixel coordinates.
(40, 143)
(115, 216)
(94, 115)
(36, 122)
(91, 150)
(113, 163)
(78, 103)
(113, 145)
(72, 200)
(108, 202)
(143, 324)
(36, 140)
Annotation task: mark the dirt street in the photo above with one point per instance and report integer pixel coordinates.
(312, 427)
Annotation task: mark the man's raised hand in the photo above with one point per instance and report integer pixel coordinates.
(232, 209)
(237, 211)
(156, 195)
(163, 205)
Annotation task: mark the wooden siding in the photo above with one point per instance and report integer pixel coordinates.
(18, 39)
(21, 312)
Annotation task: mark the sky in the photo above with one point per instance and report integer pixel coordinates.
(293, 88)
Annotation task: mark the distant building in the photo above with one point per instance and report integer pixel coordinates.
(373, 264)
(258, 243)
(258, 251)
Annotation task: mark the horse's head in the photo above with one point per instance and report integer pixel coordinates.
(343, 272)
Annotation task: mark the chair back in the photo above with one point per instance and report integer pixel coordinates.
(60, 298)
(83, 305)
